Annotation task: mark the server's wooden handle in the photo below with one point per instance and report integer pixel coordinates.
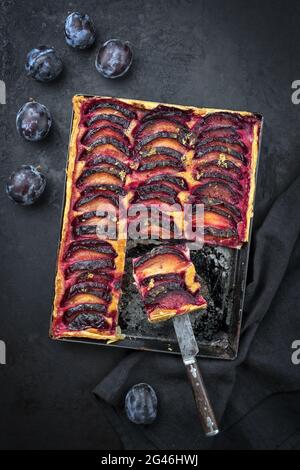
(204, 407)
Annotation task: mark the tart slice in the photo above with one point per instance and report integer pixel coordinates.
(168, 283)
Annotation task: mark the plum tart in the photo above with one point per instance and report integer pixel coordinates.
(124, 152)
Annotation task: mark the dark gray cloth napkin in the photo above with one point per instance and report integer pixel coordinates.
(256, 397)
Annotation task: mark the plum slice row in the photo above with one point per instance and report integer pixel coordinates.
(221, 166)
(161, 140)
(91, 266)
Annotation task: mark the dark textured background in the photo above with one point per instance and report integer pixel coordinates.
(234, 54)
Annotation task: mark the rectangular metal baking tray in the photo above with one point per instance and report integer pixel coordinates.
(223, 272)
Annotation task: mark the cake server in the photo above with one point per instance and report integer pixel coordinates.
(189, 349)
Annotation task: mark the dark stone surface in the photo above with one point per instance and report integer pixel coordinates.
(238, 55)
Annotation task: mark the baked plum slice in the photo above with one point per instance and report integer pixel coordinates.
(108, 161)
(72, 312)
(154, 198)
(156, 188)
(95, 289)
(161, 164)
(166, 139)
(228, 142)
(95, 245)
(84, 321)
(111, 104)
(224, 165)
(103, 277)
(110, 188)
(110, 141)
(219, 131)
(97, 199)
(211, 176)
(91, 266)
(161, 278)
(105, 146)
(159, 125)
(162, 151)
(90, 215)
(162, 112)
(218, 204)
(122, 122)
(215, 217)
(222, 119)
(169, 295)
(100, 175)
(104, 131)
(158, 158)
(160, 260)
(155, 192)
(219, 189)
(147, 229)
(99, 226)
(87, 315)
(220, 149)
(84, 230)
(176, 182)
(108, 192)
(214, 234)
